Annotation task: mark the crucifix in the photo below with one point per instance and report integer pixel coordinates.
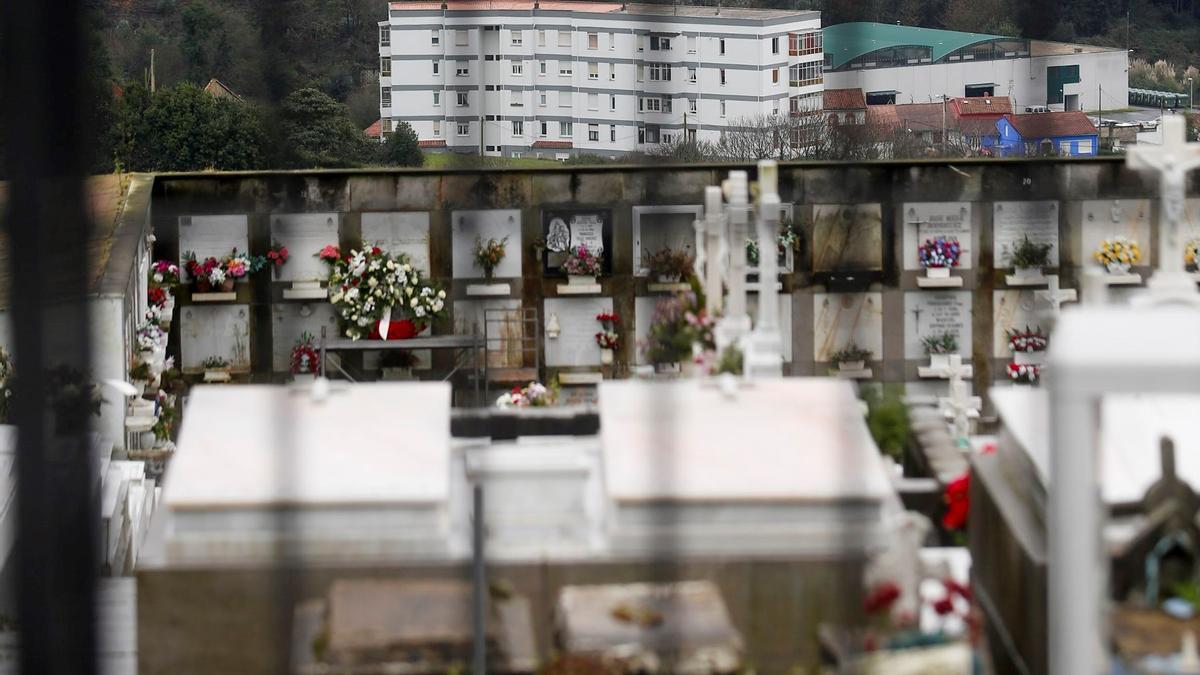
(1172, 160)
(1054, 296)
(764, 348)
(959, 405)
(735, 324)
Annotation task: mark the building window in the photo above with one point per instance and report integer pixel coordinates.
(638, 41)
(542, 99)
(565, 129)
(593, 40)
(542, 128)
(641, 135)
(516, 99)
(464, 128)
(518, 69)
(435, 37)
(385, 97)
(593, 101)
(692, 105)
(437, 98)
(804, 74)
(721, 45)
(541, 67)
(463, 69)
(774, 45)
(565, 69)
(802, 44)
(541, 38)
(518, 38)
(462, 99)
(612, 41)
(652, 104)
(593, 71)
(385, 67)
(722, 107)
(612, 102)
(564, 38)
(460, 38)
(641, 72)
(660, 72)
(666, 105)
(385, 36)
(612, 72)
(659, 43)
(774, 76)
(691, 74)
(691, 44)
(594, 133)
(564, 99)
(437, 128)
(775, 107)
(612, 133)
(722, 77)
(518, 128)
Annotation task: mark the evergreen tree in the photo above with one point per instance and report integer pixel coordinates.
(401, 147)
(317, 132)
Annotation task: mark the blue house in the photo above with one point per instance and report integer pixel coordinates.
(1062, 134)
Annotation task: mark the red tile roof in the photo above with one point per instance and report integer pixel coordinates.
(883, 117)
(996, 106)
(431, 144)
(556, 145)
(1052, 124)
(844, 99)
(374, 130)
(923, 116)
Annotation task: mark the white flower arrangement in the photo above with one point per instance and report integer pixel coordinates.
(150, 337)
(364, 284)
(534, 395)
(216, 276)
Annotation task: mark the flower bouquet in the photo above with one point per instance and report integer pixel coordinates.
(1027, 345)
(1191, 255)
(207, 274)
(305, 360)
(488, 254)
(608, 339)
(216, 369)
(367, 286)
(1024, 373)
(787, 241)
(680, 332)
(939, 347)
(1029, 258)
(938, 256)
(1118, 255)
(670, 265)
(533, 395)
(581, 266)
(164, 274)
(277, 255)
(851, 357)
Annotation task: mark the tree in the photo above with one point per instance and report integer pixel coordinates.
(317, 132)
(401, 147)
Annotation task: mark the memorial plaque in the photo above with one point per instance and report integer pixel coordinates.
(660, 227)
(1011, 309)
(212, 236)
(929, 313)
(847, 237)
(214, 330)
(576, 344)
(289, 321)
(1112, 218)
(304, 235)
(465, 226)
(504, 337)
(400, 232)
(563, 229)
(1013, 221)
(839, 318)
(785, 320)
(930, 220)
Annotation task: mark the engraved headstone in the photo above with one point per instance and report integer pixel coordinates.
(1011, 310)
(304, 235)
(847, 237)
(1013, 221)
(928, 313)
(465, 226)
(930, 220)
(212, 236)
(576, 343)
(659, 227)
(404, 232)
(1112, 218)
(565, 228)
(841, 318)
(214, 330)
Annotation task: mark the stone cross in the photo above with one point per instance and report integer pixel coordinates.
(735, 325)
(959, 404)
(1054, 296)
(1172, 160)
(764, 349)
(713, 261)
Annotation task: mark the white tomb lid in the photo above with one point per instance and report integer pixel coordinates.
(794, 440)
(366, 444)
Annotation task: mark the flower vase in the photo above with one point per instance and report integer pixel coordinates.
(606, 357)
(1027, 358)
(580, 280)
(146, 439)
(668, 278)
(139, 386)
(687, 369)
(304, 378)
(488, 273)
(937, 272)
(227, 285)
(939, 361)
(1117, 267)
(667, 368)
(845, 366)
(1027, 272)
(202, 285)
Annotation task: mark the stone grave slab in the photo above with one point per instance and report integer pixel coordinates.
(930, 220)
(1011, 310)
(396, 232)
(357, 491)
(1111, 218)
(847, 237)
(289, 321)
(488, 224)
(658, 227)
(1013, 221)
(214, 330)
(214, 236)
(576, 345)
(839, 318)
(935, 312)
(565, 228)
(760, 471)
(304, 235)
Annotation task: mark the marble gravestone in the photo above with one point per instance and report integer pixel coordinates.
(576, 345)
(847, 237)
(214, 330)
(504, 342)
(289, 321)
(563, 229)
(1013, 221)
(660, 227)
(929, 313)
(465, 226)
(304, 235)
(358, 492)
(839, 318)
(1111, 218)
(1011, 310)
(212, 236)
(930, 220)
(398, 232)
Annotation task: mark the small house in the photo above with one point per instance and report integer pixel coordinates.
(1065, 134)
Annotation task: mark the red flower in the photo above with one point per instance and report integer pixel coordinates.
(881, 597)
(954, 588)
(157, 297)
(957, 502)
(375, 250)
(944, 606)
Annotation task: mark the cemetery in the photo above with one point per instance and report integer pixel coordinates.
(587, 416)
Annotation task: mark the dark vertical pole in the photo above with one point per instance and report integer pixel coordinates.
(45, 100)
(479, 591)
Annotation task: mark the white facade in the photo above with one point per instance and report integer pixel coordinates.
(1023, 78)
(559, 78)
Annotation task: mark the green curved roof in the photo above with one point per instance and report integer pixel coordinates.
(847, 41)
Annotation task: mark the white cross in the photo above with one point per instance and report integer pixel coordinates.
(959, 405)
(1055, 296)
(1173, 160)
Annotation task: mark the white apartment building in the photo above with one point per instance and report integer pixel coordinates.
(527, 78)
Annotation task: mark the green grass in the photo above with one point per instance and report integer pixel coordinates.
(449, 160)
